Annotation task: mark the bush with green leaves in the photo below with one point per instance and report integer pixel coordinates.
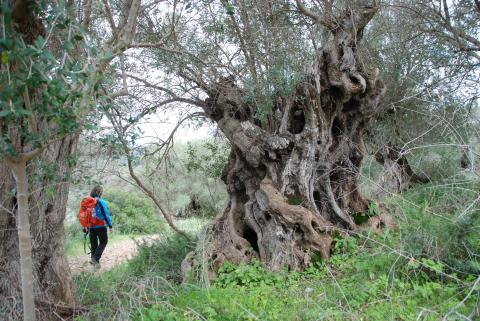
(208, 157)
(437, 163)
(118, 294)
(132, 213)
(368, 283)
(442, 222)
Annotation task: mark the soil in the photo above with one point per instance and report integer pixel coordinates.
(114, 254)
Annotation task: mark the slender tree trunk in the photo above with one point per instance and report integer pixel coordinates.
(293, 179)
(24, 239)
(48, 177)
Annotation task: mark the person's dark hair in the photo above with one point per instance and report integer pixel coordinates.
(97, 191)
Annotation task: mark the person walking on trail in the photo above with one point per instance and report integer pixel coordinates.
(98, 231)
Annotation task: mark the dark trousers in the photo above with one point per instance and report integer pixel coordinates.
(97, 235)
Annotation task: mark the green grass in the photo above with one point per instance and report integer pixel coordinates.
(442, 222)
(126, 288)
(368, 282)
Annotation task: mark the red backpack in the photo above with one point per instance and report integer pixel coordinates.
(86, 213)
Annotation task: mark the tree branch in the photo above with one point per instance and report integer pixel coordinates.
(307, 12)
(124, 90)
(87, 14)
(138, 181)
(174, 96)
(109, 16)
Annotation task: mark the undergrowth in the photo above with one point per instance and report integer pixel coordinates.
(424, 269)
(369, 281)
(115, 294)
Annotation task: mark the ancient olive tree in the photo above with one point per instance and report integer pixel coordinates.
(293, 106)
(50, 73)
(293, 178)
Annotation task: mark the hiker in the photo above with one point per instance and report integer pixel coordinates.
(98, 230)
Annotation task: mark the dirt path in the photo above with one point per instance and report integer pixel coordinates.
(114, 254)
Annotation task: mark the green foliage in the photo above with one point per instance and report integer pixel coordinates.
(74, 236)
(366, 278)
(437, 163)
(361, 218)
(152, 272)
(372, 209)
(343, 245)
(210, 158)
(278, 81)
(132, 213)
(331, 290)
(42, 88)
(247, 275)
(442, 223)
(163, 257)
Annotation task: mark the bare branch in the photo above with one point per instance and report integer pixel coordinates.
(124, 90)
(109, 16)
(87, 14)
(174, 96)
(307, 12)
(121, 135)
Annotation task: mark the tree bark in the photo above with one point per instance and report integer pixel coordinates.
(293, 178)
(19, 170)
(47, 202)
(397, 175)
(41, 204)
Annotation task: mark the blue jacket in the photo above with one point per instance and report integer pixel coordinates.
(103, 215)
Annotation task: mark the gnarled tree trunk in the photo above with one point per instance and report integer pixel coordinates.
(293, 179)
(397, 175)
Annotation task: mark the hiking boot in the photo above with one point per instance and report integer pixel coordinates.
(94, 262)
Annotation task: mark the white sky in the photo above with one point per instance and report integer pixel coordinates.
(162, 124)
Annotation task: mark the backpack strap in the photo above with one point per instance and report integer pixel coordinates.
(101, 207)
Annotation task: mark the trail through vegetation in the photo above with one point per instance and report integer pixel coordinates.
(115, 253)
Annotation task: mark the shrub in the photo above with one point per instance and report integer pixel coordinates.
(437, 163)
(132, 213)
(163, 257)
(118, 293)
(441, 222)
